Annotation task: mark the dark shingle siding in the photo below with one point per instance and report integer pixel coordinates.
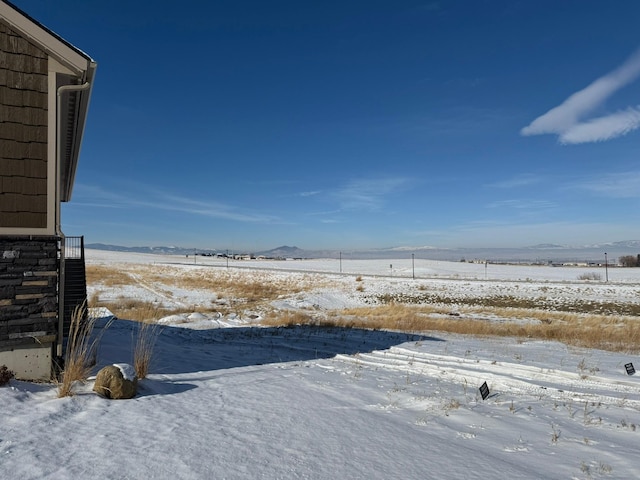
(23, 132)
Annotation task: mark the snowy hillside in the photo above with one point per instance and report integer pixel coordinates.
(228, 398)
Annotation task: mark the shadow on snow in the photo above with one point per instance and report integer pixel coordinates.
(181, 350)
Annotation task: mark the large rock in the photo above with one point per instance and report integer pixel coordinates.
(116, 381)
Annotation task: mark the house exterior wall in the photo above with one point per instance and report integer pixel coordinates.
(41, 129)
(23, 133)
(29, 268)
(28, 264)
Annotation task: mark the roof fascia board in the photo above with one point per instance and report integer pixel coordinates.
(45, 39)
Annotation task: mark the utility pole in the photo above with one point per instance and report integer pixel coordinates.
(606, 268)
(413, 266)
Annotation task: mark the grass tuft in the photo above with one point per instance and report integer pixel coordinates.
(143, 353)
(81, 351)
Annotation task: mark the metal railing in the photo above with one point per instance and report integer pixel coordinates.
(74, 248)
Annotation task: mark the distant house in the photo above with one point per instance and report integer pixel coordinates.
(45, 86)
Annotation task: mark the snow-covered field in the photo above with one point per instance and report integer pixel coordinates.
(230, 399)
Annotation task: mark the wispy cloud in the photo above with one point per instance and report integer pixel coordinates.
(210, 209)
(309, 194)
(614, 185)
(97, 196)
(520, 204)
(517, 181)
(567, 120)
(369, 194)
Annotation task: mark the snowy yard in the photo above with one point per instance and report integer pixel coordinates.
(229, 399)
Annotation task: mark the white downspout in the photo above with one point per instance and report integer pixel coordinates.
(58, 229)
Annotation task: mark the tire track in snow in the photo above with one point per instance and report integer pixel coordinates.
(157, 293)
(504, 377)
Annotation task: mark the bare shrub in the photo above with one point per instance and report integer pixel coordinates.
(590, 276)
(145, 342)
(629, 261)
(5, 375)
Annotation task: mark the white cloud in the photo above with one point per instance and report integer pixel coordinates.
(520, 204)
(309, 193)
(603, 128)
(614, 185)
(368, 194)
(566, 119)
(517, 181)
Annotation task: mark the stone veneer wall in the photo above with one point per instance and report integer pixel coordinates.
(28, 291)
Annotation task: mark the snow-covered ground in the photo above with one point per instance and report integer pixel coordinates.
(228, 399)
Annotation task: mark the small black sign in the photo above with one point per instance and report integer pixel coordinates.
(484, 390)
(630, 369)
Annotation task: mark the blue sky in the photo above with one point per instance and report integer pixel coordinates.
(249, 124)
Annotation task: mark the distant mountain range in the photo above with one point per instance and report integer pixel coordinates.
(536, 253)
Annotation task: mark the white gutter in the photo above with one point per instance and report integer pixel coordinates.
(58, 229)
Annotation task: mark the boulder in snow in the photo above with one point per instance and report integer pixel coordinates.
(116, 382)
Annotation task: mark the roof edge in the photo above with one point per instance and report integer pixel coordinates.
(46, 38)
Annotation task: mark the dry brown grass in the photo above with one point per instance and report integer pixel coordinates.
(614, 333)
(138, 310)
(143, 352)
(250, 288)
(289, 318)
(590, 331)
(246, 290)
(81, 351)
(581, 323)
(546, 303)
(107, 276)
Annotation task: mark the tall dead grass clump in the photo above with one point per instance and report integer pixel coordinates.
(81, 350)
(107, 276)
(289, 318)
(143, 352)
(137, 310)
(606, 332)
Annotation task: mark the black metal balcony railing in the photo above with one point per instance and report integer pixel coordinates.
(75, 281)
(74, 248)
